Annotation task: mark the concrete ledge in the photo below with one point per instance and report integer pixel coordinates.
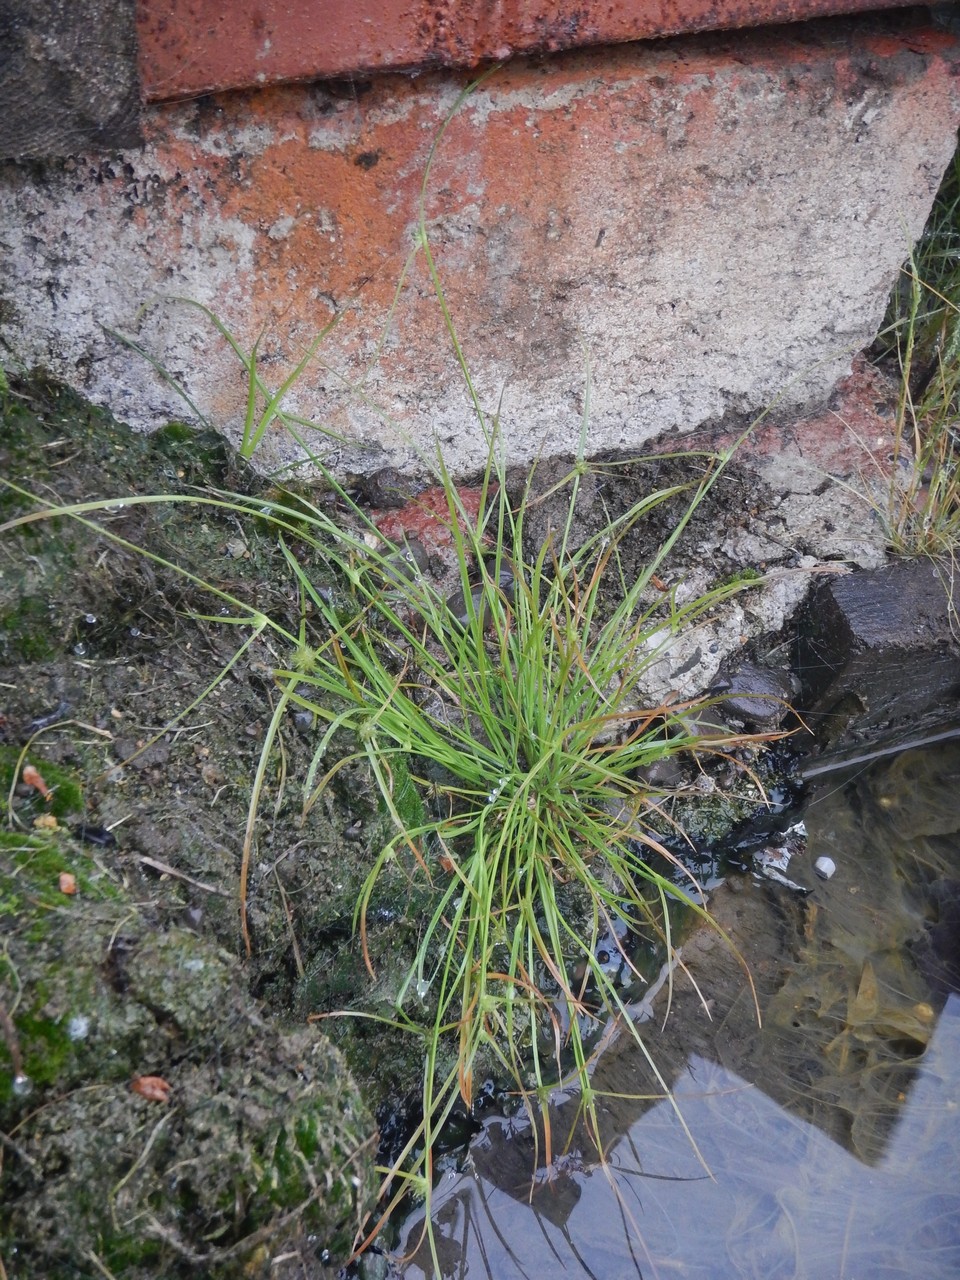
(716, 221)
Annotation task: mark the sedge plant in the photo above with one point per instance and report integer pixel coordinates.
(922, 512)
(516, 713)
(921, 507)
(264, 406)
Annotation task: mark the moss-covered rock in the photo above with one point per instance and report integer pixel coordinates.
(256, 1139)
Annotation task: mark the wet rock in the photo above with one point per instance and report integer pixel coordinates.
(458, 605)
(409, 562)
(878, 656)
(387, 488)
(759, 696)
(668, 772)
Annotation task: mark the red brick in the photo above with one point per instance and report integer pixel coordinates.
(199, 46)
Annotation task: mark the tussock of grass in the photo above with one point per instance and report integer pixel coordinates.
(921, 511)
(519, 720)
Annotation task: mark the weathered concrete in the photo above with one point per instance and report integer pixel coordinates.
(716, 221)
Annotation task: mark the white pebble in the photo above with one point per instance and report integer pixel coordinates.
(825, 867)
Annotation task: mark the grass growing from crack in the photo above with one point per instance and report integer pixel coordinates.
(263, 406)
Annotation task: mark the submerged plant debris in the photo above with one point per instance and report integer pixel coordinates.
(831, 1130)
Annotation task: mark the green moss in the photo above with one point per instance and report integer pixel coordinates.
(740, 578)
(46, 1054)
(33, 864)
(26, 633)
(406, 796)
(196, 456)
(66, 797)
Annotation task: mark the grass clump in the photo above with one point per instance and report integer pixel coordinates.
(921, 511)
(513, 708)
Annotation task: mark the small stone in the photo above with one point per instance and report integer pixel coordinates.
(304, 720)
(825, 867)
(387, 489)
(211, 775)
(759, 695)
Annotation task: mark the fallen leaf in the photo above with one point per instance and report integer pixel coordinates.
(33, 778)
(68, 883)
(153, 1088)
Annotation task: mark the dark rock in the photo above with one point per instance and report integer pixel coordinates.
(68, 77)
(457, 603)
(760, 696)
(878, 658)
(387, 488)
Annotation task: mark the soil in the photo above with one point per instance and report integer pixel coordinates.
(126, 683)
(137, 974)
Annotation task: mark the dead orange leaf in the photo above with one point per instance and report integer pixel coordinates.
(33, 778)
(153, 1088)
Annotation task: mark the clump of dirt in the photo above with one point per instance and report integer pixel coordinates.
(263, 1146)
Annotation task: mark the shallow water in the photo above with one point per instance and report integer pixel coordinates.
(828, 1140)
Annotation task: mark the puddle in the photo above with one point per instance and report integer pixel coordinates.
(831, 1134)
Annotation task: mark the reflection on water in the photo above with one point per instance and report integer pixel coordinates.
(831, 1134)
